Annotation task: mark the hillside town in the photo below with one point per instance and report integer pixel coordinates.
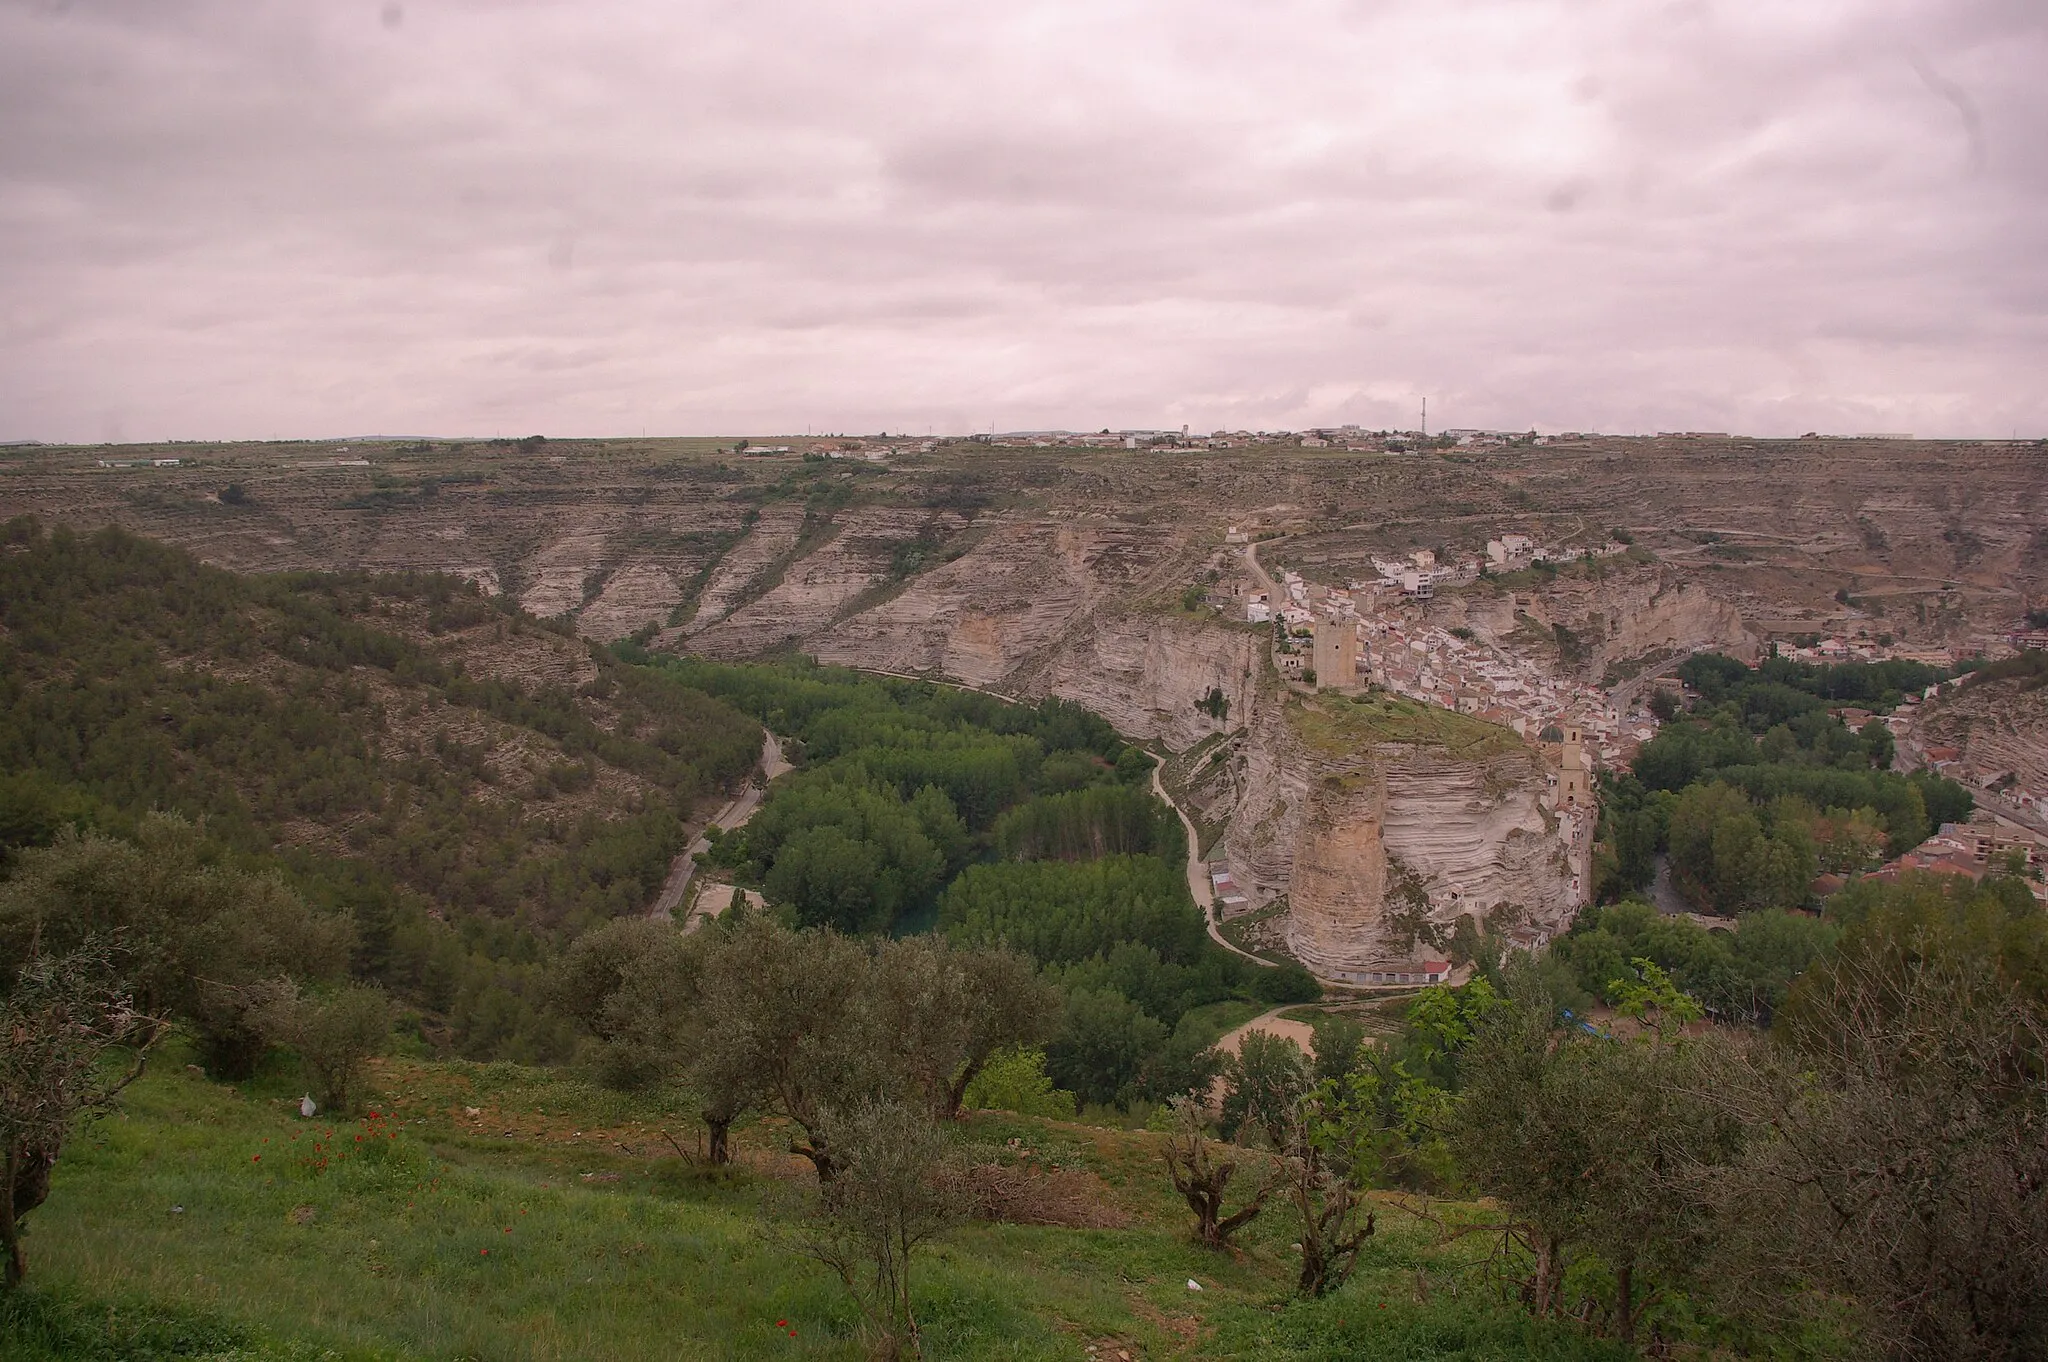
(1398, 649)
(1377, 632)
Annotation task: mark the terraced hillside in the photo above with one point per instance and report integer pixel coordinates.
(984, 560)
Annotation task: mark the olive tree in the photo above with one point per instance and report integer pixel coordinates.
(62, 1016)
(1324, 1174)
(1202, 1176)
(947, 1010)
(794, 1011)
(1593, 1142)
(202, 941)
(335, 1034)
(893, 1190)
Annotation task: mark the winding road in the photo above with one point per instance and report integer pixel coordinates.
(1199, 883)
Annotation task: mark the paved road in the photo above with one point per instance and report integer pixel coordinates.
(1274, 595)
(1623, 697)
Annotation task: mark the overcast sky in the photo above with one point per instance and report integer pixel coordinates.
(247, 218)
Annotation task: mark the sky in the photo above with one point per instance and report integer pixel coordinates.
(315, 218)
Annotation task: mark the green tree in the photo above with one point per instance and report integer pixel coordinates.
(62, 1016)
(200, 940)
(946, 1010)
(1015, 1080)
(1339, 1044)
(1898, 1158)
(1261, 1084)
(830, 879)
(1592, 1142)
(1101, 1047)
(895, 1191)
(639, 988)
(1328, 1159)
(334, 1032)
(791, 1015)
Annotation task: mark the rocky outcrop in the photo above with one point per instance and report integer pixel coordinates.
(1148, 674)
(814, 589)
(1008, 604)
(1632, 611)
(1655, 612)
(555, 576)
(773, 537)
(1384, 822)
(1998, 727)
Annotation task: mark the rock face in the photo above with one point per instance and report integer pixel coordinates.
(1037, 609)
(1148, 675)
(1635, 611)
(773, 537)
(1383, 829)
(1999, 727)
(1038, 572)
(638, 595)
(811, 591)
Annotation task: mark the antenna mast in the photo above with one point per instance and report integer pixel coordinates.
(1425, 418)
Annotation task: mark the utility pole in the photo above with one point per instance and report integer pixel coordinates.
(1425, 418)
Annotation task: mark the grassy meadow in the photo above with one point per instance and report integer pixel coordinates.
(499, 1213)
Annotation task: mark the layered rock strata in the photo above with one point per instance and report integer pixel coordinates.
(1383, 823)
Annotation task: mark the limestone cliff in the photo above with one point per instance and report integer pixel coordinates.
(1384, 821)
(1036, 609)
(1147, 674)
(1632, 611)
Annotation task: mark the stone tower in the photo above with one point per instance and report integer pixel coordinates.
(1574, 781)
(1336, 654)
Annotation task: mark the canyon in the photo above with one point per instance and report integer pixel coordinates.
(1104, 577)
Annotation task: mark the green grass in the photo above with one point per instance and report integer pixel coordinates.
(455, 1241)
(1351, 726)
(1215, 1019)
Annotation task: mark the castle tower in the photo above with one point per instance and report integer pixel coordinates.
(1574, 780)
(1336, 654)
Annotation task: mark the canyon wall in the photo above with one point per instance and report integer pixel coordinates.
(1036, 571)
(1382, 823)
(1633, 611)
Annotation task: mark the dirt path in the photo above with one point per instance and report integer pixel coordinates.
(1301, 1033)
(1266, 583)
(733, 815)
(1199, 883)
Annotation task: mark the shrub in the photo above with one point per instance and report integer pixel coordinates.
(335, 1034)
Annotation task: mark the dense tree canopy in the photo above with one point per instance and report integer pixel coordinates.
(1760, 787)
(312, 724)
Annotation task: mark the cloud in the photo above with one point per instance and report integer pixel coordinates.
(223, 218)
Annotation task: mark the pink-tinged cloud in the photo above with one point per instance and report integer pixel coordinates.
(227, 218)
